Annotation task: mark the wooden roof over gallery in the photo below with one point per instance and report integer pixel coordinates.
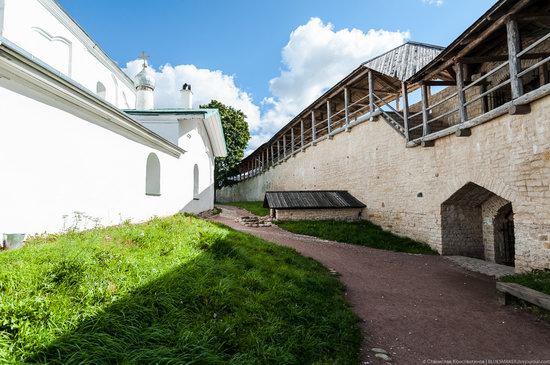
(498, 65)
(391, 68)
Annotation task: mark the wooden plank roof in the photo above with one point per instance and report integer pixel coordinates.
(311, 199)
(405, 60)
(398, 64)
(474, 37)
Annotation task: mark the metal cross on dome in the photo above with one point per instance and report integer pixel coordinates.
(144, 57)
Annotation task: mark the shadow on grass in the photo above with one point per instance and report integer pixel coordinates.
(241, 301)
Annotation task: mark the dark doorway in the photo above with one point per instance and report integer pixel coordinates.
(504, 236)
(478, 223)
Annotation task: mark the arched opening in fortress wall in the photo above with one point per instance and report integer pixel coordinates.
(476, 222)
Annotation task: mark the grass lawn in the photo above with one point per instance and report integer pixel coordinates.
(537, 280)
(362, 233)
(178, 290)
(255, 208)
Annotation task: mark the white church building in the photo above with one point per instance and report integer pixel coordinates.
(80, 140)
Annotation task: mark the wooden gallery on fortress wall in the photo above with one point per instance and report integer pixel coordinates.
(449, 146)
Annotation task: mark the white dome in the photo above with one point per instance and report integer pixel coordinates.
(145, 79)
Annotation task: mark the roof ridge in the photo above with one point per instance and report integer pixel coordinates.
(426, 45)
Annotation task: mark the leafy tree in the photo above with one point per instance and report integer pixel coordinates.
(235, 130)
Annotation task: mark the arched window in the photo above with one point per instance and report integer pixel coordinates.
(196, 182)
(101, 91)
(152, 176)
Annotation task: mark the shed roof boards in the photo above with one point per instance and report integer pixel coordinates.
(313, 199)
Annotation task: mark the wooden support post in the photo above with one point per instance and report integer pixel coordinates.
(278, 150)
(405, 109)
(346, 105)
(543, 75)
(272, 156)
(302, 133)
(519, 109)
(292, 140)
(284, 146)
(329, 117)
(313, 130)
(261, 161)
(463, 132)
(371, 93)
(484, 99)
(397, 96)
(425, 125)
(460, 92)
(514, 47)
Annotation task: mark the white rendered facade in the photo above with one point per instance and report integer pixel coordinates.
(66, 146)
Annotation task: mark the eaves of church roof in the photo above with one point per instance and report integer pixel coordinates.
(211, 118)
(32, 69)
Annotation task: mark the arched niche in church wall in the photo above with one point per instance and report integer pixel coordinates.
(56, 51)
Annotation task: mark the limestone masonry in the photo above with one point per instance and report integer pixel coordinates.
(404, 188)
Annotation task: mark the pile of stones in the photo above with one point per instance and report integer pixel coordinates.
(254, 221)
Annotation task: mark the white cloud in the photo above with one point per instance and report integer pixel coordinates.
(207, 85)
(433, 2)
(315, 58)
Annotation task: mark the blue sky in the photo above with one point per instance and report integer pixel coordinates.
(238, 46)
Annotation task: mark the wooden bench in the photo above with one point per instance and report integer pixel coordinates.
(507, 290)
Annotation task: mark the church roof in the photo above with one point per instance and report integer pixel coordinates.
(145, 78)
(211, 117)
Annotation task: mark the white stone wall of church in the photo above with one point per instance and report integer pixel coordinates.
(509, 156)
(54, 163)
(31, 26)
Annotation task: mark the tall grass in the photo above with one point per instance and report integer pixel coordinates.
(171, 291)
(536, 280)
(362, 233)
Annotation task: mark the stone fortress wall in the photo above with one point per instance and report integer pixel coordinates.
(449, 196)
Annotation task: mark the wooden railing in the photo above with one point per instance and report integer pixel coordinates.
(297, 137)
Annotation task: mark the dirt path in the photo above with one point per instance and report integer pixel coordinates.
(419, 307)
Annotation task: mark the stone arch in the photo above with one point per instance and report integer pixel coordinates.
(475, 222)
(483, 179)
(152, 175)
